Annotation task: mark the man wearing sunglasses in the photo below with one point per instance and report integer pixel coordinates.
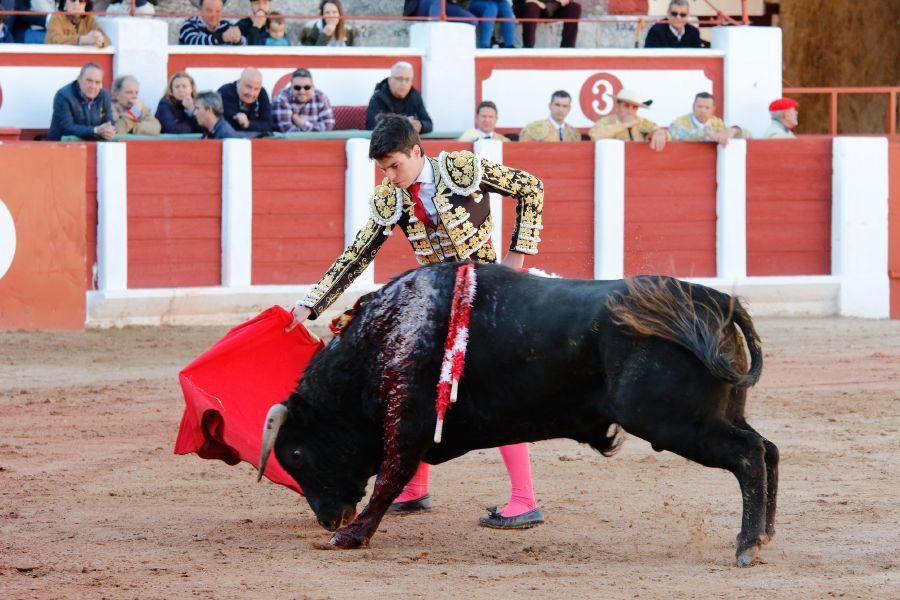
(676, 33)
(302, 107)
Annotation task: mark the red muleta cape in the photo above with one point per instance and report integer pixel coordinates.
(229, 389)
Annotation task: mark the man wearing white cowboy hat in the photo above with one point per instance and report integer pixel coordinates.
(625, 124)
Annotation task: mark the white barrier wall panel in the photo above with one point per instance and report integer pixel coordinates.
(609, 209)
(859, 237)
(360, 185)
(731, 210)
(448, 72)
(112, 216)
(237, 212)
(751, 74)
(493, 151)
(142, 50)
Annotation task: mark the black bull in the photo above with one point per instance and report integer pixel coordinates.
(547, 358)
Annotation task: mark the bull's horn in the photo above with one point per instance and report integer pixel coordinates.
(274, 419)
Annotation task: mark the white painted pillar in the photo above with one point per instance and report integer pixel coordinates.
(731, 210)
(609, 209)
(493, 151)
(358, 189)
(142, 50)
(752, 74)
(237, 212)
(859, 226)
(112, 217)
(448, 72)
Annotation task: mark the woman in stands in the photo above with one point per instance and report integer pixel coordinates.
(76, 27)
(176, 109)
(330, 30)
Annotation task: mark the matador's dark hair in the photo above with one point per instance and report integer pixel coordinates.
(392, 133)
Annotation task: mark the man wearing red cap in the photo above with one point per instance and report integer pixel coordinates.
(784, 113)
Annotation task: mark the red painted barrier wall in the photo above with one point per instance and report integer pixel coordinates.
(670, 210)
(789, 206)
(567, 171)
(396, 255)
(894, 228)
(298, 209)
(90, 197)
(174, 213)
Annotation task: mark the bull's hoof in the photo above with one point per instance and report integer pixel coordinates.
(347, 540)
(748, 557)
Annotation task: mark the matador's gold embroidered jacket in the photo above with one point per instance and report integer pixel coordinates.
(462, 181)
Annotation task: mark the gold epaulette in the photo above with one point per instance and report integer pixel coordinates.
(386, 204)
(461, 171)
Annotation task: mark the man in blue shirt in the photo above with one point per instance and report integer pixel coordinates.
(82, 108)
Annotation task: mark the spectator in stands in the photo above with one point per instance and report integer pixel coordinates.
(702, 124)
(277, 31)
(76, 27)
(330, 30)
(548, 9)
(82, 108)
(396, 94)
(302, 107)
(130, 116)
(246, 102)
(432, 8)
(485, 122)
(176, 110)
(625, 124)
(209, 28)
(6, 36)
(676, 33)
(25, 28)
(554, 128)
(255, 29)
(490, 10)
(211, 117)
(785, 113)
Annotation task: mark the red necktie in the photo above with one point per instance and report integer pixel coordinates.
(418, 206)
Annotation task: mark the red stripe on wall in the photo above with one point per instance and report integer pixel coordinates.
(567, 171)
(174, 213)
(894, 228)
(670, 210)
(396, 255)
(789, 206)
(298, 209)
(90, 197)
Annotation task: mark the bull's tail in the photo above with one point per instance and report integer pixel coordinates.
(696, 318)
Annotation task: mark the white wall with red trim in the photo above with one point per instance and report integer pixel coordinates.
(743, 68)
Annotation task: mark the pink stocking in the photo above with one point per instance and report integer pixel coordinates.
(518, 465)
(417, 486)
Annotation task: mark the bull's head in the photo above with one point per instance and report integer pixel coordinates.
(326, 461)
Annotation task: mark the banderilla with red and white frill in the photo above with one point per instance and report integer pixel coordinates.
(455, 346)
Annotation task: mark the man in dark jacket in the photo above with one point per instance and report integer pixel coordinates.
(246, 102)
(82, 108)
(676, 33)
(256, 28)
(396, 94)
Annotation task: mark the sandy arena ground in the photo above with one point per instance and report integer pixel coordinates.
(93, 504)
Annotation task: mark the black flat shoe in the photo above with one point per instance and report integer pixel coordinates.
(495, 520)
(422, 504)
